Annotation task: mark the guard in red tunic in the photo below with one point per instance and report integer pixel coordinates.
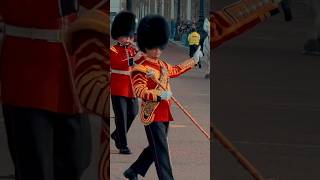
(152, 36)
(125, 104)
(48, 137)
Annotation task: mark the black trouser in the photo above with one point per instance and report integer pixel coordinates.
(192, 50)
(46, 145)
(125, 110)
(157, 152)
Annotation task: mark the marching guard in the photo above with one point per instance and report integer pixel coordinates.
(152, 37)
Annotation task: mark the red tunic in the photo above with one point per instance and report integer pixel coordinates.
(120, 71)
(145, 88)
(33, 72)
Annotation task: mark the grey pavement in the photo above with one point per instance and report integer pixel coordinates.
(189, 149)
(266, 101)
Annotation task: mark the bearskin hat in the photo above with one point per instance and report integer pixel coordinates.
(124, 24)
(153, 32)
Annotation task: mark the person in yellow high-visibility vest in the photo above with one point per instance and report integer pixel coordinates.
(194, 41)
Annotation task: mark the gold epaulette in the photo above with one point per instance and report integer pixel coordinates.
(139, 68)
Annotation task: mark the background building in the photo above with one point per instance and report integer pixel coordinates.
(181, 14)
(190, 9)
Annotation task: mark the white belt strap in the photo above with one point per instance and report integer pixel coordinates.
(115, 71)
(50, 35)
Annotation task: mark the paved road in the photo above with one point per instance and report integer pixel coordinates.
(266, 100)
(189, 149)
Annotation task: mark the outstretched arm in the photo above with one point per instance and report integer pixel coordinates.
(227, 24)
(177, 70)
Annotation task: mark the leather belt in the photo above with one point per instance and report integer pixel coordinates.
(50, 35)
(115, 71)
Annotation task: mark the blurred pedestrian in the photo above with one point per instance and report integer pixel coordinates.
(194, 41)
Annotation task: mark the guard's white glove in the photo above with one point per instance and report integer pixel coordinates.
(150, 74)
(166, 95)
(197, 55)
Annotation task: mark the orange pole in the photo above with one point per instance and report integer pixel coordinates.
(235, 153)
(222, 139)
(193, 120)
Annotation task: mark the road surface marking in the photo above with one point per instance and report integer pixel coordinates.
(177, 126)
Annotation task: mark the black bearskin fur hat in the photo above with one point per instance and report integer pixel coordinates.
(153, 32)
(124, 24)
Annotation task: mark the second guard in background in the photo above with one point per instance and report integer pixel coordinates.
(125, 105)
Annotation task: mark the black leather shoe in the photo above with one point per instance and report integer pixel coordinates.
(116, 142)
(130, 174)
(125, 150)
